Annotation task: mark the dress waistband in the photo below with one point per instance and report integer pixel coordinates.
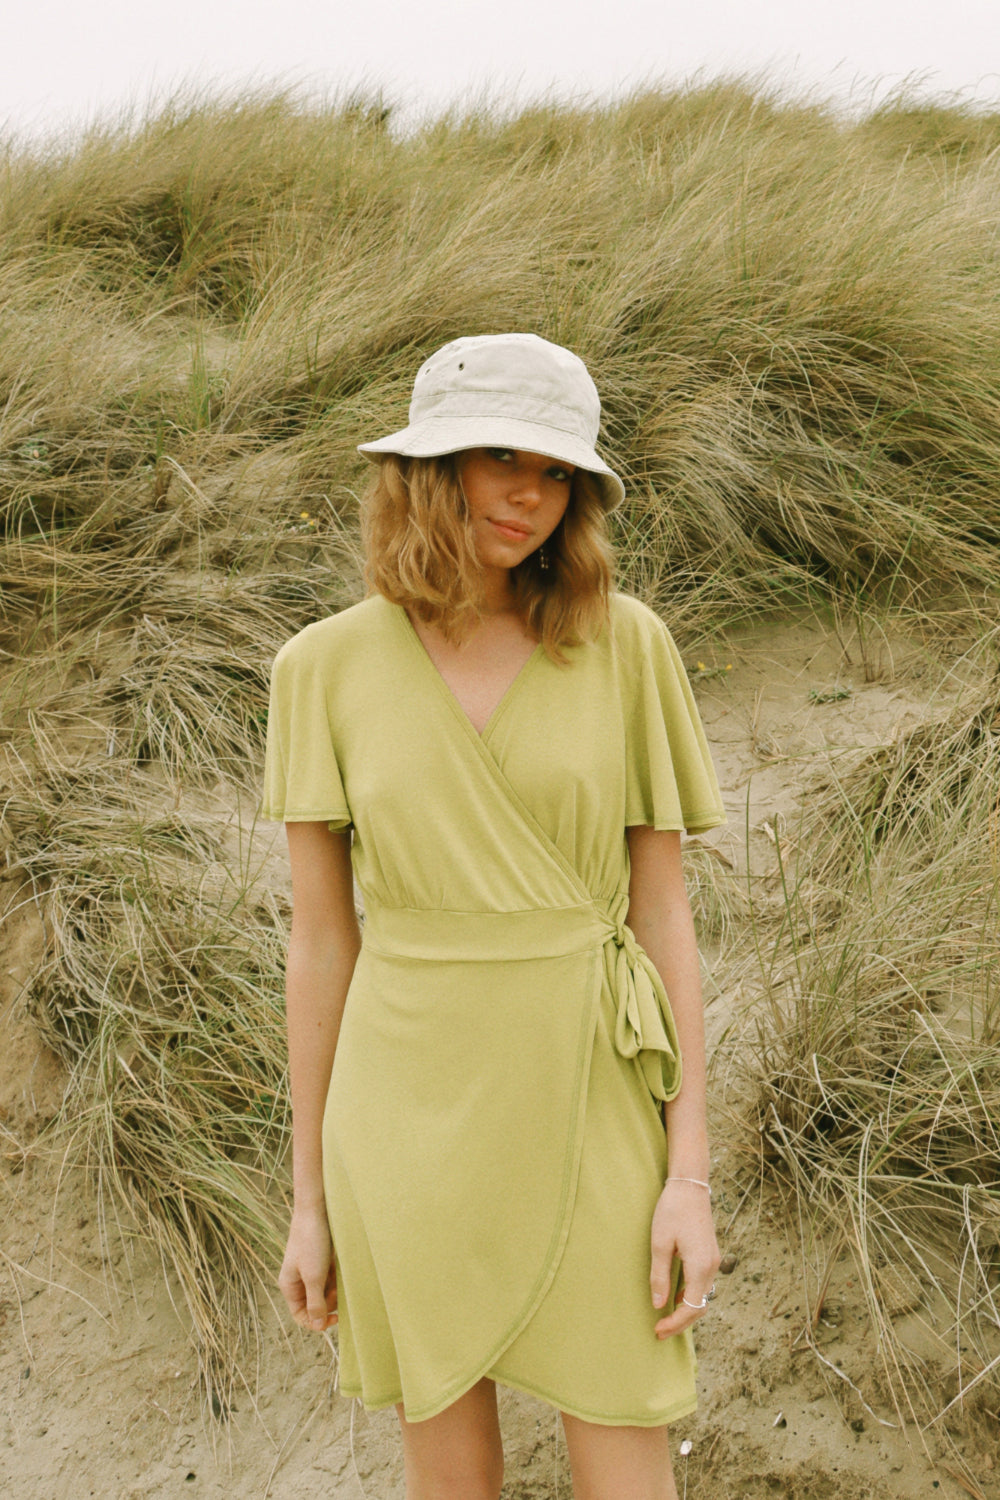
(644, 1024)
(489, 936)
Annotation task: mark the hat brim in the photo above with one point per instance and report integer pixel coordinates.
(439, 435)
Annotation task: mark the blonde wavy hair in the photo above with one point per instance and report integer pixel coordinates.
(419, 552)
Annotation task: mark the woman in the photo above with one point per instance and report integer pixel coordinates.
(516, 750)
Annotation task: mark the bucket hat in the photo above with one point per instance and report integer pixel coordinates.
(505, 390)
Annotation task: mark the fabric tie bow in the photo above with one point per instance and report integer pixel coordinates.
(644, 1023)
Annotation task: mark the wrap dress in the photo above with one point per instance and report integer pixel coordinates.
(493, 1139)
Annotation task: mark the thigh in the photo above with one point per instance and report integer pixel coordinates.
(618, 1463)
(459, 1452)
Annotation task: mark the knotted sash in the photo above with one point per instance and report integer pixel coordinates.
(644, 1022)
(644, 1025)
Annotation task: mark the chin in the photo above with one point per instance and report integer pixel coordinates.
(504, 554)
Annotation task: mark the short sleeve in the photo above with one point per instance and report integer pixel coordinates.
(671, 781)
(302, 779)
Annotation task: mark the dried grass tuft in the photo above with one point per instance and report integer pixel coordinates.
(162, 991)
(878, 1056)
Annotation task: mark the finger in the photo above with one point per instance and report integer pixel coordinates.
(315, 1310)
(311, 1300)
(682, 1317)
(688, 1308)
(295, 1297)
(661, 1276)
(294, 1293)
(330, 1291)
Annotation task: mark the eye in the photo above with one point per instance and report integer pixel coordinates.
(561, 475)
(502, 455)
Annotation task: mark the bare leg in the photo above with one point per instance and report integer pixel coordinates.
(457, 1455)
(619, 1463)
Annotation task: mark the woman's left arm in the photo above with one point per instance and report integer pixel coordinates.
(660, 916)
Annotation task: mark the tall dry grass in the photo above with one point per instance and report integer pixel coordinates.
(792, 321)
(162, 992)
(794, 325)
(876, 1072)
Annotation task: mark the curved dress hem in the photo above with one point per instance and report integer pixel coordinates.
(670, 1414)
(694, 827)
(289, 815)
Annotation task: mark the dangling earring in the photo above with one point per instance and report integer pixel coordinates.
(543, 558)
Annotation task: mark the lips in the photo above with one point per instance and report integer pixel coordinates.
(512, 529)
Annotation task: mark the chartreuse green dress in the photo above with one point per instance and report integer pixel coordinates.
(493, 1142)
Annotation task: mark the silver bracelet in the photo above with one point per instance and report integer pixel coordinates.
(695, 1180)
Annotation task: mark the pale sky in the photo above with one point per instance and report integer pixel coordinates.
(62, 62)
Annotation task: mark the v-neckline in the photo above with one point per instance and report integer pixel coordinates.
(501, 703)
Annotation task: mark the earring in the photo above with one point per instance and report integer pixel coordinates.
(543, 558)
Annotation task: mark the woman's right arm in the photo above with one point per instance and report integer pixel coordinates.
(322, 953)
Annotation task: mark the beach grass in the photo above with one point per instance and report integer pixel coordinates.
(876, 1068)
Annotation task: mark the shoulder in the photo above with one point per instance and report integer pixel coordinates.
(633, 625)
(648, 659)
(322, 644)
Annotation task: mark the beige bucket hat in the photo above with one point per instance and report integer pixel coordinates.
(505, 390)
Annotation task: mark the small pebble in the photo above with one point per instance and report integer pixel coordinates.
(728, 1264)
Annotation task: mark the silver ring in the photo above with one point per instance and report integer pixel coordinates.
(698, 1306)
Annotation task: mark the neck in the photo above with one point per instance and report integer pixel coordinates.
(498, 591)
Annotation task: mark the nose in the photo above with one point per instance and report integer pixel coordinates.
(526, 488)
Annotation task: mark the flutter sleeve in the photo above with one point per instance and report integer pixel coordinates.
(302, 779)
(671, 781)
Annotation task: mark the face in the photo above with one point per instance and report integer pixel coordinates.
(516, 500)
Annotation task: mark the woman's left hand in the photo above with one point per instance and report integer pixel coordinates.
(682, 1226)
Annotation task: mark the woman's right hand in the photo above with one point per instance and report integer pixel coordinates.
(308, 1278)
